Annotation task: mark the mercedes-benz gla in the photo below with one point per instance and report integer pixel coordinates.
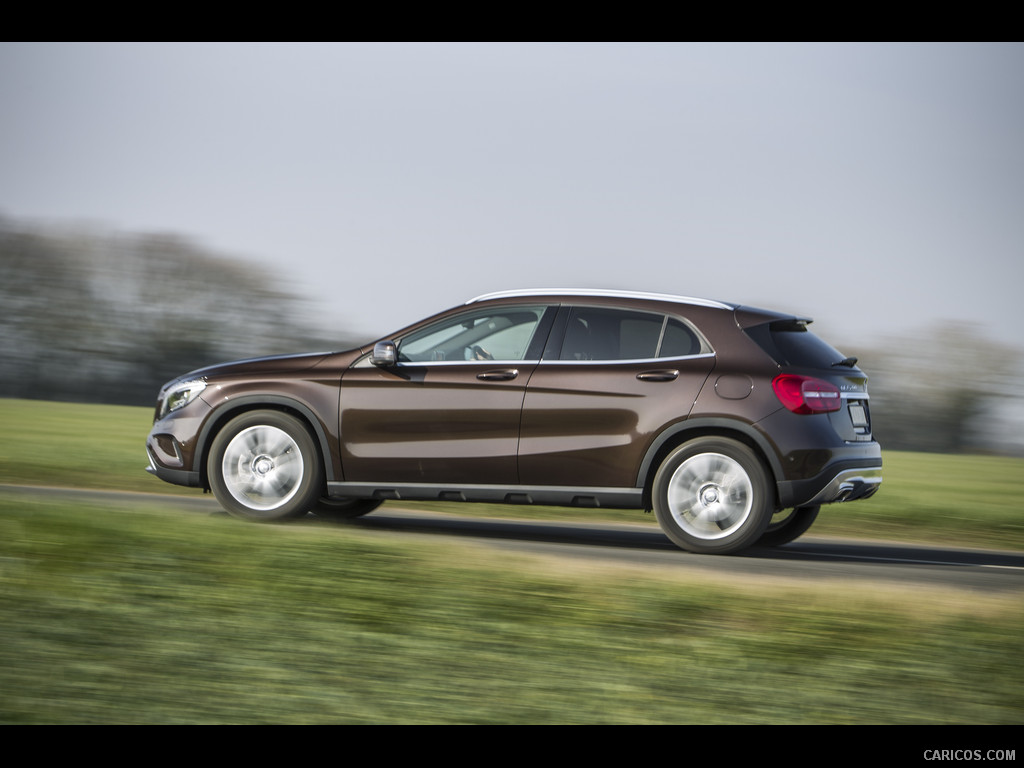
(733, 424)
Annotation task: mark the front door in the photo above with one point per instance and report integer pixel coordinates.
(448, 412)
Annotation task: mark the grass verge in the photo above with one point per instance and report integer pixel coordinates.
(162, 616)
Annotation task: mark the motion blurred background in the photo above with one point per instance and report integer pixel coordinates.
(164, 206)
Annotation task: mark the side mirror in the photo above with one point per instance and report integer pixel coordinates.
(385, 354)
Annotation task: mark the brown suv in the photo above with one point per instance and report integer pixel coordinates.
(733, 424)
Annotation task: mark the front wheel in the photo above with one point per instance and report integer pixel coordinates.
(712, 495)
(264, 465)
(788, 525)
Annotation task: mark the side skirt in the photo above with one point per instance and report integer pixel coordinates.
(558, 496)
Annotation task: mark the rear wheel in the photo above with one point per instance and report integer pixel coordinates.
(264, 465)
(344, 509)
(788, 525)
(712, 495)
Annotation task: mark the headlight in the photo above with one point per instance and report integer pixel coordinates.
(181, 394)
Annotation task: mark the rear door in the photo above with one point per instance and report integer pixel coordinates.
(599, 397)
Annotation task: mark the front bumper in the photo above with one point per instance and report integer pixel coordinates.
(175, 476)
(171, 445)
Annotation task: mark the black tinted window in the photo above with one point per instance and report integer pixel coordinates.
(679, 340)
(617, 334)
(790, 343)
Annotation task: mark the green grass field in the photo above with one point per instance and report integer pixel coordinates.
(158, 615)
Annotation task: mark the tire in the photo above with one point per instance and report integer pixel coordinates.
(788, 525)
(712, 495)
(265, 466)
(344, 509)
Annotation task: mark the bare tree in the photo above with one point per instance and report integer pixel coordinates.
(93, 315)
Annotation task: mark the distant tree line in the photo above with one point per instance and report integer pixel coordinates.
(946, 389)
(91, 315)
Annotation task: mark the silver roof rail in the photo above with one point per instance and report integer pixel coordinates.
(602, 292)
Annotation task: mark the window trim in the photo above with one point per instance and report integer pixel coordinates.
(627, 361)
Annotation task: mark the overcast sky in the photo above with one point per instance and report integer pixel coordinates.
(875, 187)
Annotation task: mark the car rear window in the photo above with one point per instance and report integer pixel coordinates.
(789, 342)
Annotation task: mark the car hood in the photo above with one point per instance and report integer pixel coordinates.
(260, 365)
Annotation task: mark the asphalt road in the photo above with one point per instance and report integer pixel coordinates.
(810, 559)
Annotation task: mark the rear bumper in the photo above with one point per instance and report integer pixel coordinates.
(849, 485)
(842, 479)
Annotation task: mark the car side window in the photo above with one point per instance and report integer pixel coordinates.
(595, 333)
(679, 340)
(502, 334)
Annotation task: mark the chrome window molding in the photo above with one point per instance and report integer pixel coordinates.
(638, 360)
(421, 363)
(364, 362)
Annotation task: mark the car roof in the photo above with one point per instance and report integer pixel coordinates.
(602, 293)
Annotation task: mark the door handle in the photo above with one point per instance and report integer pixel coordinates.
(666, 375)
(506, 374)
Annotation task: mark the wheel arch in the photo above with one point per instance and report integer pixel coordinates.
(684, 431)
(237, 406)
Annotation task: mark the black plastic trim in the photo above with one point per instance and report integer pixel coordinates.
(720, 426)
(221, 413)
(562, 496)
(184, 477)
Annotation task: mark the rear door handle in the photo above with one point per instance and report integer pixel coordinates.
(666, 375)
(503, 375)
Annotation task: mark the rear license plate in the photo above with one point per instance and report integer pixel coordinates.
(858, 415)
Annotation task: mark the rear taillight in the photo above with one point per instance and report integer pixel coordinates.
(806, 394)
